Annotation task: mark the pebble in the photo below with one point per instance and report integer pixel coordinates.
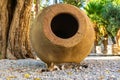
(30, 69)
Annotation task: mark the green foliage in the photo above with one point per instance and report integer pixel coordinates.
(77, 3)
(116, 2)
(112, 16)
(105, 13)
(94, 9)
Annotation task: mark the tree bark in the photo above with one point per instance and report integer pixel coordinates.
(15, 28)
(118, 38)
(37, 6)
(3, 26)
(105, 43)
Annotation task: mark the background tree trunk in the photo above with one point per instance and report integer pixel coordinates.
(37, 6)
(14, 26)
(118, 38)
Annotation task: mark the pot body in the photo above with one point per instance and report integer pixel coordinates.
(62, 33)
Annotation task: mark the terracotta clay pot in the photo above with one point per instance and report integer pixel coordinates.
(62, 33)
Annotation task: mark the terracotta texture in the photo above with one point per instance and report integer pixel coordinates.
(62, 33)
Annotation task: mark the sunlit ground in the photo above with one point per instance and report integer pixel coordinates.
(103, 57)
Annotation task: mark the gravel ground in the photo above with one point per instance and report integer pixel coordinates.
(29, 69)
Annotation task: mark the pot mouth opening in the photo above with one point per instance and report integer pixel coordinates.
(64, 25)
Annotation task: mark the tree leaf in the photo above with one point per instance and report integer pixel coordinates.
(26, 75)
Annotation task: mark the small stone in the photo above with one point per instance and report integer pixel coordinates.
(102, 77)
(85, 66)
(118, 71)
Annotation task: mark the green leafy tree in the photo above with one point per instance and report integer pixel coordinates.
(77, 3)
(116, 2)
(111, 16)
(105, 13)
(94, 10)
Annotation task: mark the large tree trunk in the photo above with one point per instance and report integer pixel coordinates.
(3, 26)
(14, 25)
